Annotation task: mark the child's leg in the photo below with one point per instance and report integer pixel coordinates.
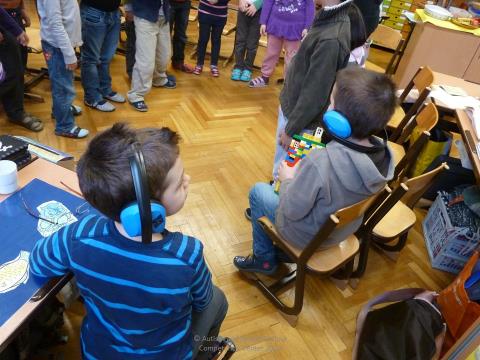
(263, 202)
(162, 53)
(206, 324)
(145, 46)
(274, 47)
(241, 40)
(291, 48)
(63, 92)
(130, 47)
(216, 37)
(252, 40)
(179, 40)
(280, 152)
(203, 36)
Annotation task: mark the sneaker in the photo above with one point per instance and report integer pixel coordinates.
(186, 68)
(236, 74)
(251, 263)
(115, 97)
(102, 105)
(248, 214)
(214, 71)
(198, 70)
(74, 133)
(258, 82)
(139, 106)
(246, 75)
(170, 84)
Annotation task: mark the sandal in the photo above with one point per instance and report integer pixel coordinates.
(75, 133)
(246, 75)
(214, 71)
(258, 82)
(30, 122)
(198, 70)
(236, 74)
(140, 106)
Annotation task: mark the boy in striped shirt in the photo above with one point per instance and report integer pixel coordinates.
(143, 301)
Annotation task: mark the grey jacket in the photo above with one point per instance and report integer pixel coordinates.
(311, 74)
(61, 26)
(327, 180)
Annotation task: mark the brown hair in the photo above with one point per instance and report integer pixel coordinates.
(367, 98)
(104, 169)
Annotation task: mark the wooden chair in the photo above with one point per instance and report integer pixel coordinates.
(425, 120)
(422, 80)
(322, 262)
(405, 163)
(401, 218)
(390, 39)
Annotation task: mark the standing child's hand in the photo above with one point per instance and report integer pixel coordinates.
(23, 39)
(284, 140)
(25, 19)
(71, 67)
(304, 33)
(263, 30)
(286, 172)
(251, 10)
(242, 5)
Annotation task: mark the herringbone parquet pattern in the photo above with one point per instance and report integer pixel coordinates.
(228, 141)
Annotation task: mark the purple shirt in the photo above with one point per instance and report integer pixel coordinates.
(9, 24)
(287, 18)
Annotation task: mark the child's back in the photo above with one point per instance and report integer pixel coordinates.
(139, 297)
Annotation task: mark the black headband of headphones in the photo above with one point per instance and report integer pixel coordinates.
(142, 193)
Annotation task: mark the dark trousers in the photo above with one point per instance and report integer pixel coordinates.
(246, 40)
(206, 325)
(17, 15)
(130, 46)
(213, 31)
(179, 12)
(11, 89)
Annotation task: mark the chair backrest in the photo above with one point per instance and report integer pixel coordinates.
(425, 120)
(410, 157)
(419, 184)
(386, 37)
(422, 80)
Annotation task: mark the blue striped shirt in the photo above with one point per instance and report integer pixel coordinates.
(139, 297)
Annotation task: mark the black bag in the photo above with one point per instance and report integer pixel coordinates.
(408, 329)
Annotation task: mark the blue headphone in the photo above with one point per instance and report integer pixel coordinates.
(338, 127)
(142, 217)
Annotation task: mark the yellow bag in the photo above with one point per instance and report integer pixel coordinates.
(438, 144)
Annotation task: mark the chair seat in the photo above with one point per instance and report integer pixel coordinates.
(371, 66)
(398, 152)
(396, 118)
(327, 260)
(399, 219)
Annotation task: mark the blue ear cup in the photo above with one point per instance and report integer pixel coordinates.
(337, 124)
(130, 218)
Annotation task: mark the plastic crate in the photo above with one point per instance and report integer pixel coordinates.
(449, 247)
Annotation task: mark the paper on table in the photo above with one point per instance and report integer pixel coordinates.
(453, 102)
(474, 115)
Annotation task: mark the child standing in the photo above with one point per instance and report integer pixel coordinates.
(212, 17)
(60, 30)
(151, 300)
(285, 22)
(246, 39)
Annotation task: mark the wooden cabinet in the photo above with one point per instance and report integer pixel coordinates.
(473, 71)
(447, 51)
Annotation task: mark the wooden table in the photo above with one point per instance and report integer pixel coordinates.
(470, 139)
(54, 175)
(443, 79)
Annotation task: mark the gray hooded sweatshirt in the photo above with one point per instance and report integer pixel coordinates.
(327, 180)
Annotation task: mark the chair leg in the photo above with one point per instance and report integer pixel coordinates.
(363, 257)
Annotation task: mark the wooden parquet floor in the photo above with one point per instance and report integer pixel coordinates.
(228, 141)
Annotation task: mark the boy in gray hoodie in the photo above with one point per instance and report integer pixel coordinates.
(327, 179)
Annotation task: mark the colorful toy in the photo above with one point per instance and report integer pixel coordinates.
(301, 146)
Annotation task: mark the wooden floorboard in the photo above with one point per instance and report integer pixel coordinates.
(228, 137)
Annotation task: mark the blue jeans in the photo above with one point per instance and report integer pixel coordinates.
(63, 92)
(100, 34)
(263, 202)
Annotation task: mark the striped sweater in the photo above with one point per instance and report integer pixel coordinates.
(213, 13)
(139, 297)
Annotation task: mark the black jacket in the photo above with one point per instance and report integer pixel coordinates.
(370, 10)
(311, 74)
